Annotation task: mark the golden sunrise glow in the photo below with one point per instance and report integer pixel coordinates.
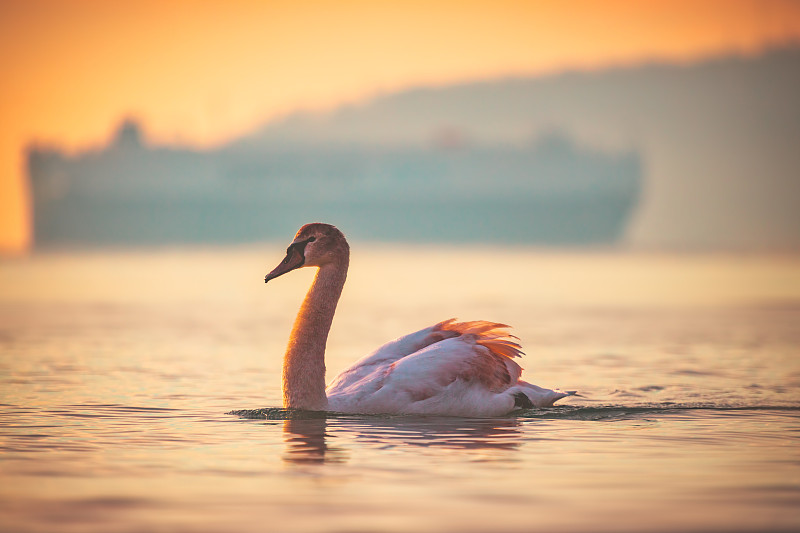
(203, 73)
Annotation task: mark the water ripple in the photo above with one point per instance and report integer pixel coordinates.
(560, 412)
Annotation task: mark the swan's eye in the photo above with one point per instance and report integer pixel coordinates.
(312, 239)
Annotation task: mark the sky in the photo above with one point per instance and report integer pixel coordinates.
(201, 73)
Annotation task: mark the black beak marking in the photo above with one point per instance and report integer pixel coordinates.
(292, 252)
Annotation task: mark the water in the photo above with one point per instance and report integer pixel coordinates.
(118, 369)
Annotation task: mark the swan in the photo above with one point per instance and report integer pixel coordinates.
(451, 368)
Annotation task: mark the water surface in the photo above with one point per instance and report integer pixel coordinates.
(117, 370)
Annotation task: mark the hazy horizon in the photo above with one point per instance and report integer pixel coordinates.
(704, 151)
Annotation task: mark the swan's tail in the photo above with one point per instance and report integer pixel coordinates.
(528, 396)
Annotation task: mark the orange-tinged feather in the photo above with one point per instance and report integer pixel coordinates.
(494, 366)
(492, 335)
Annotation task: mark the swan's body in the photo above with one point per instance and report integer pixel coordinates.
(450, 368)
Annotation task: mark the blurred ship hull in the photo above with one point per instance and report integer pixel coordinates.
(549, 193)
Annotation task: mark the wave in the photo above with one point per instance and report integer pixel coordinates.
(603, 412)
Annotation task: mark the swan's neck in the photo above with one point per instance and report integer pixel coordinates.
(304, 363)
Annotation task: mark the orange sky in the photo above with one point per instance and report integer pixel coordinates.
(206, 71)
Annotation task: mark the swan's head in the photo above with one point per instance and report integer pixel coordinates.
(316, 245)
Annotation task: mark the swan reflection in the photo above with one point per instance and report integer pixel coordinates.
(308, 441)
(305, 442)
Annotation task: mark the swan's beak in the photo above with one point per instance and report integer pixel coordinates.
(294, 259)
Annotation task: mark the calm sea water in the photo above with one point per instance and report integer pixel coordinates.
(117, 371)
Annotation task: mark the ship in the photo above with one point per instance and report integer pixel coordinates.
(550, 191)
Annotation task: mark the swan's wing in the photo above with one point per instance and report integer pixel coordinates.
(465, 372)
(408, 344)
(389, 353)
